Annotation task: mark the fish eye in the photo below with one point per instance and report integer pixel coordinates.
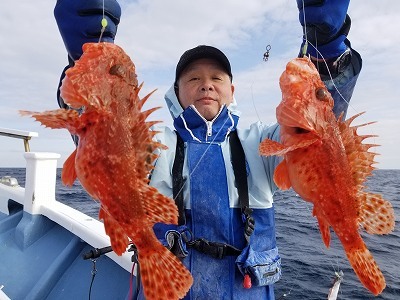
(321, 94)
(117, 70)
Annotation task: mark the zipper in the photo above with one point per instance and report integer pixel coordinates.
(209, 124)
(209, 128)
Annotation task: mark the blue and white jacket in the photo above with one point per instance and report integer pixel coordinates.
(211, 205)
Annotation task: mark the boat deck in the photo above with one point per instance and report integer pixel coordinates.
(42, 260)
(42, 243)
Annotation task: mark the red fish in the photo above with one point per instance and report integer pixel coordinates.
(113, 160)
(326, 163)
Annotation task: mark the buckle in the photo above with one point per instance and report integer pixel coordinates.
(214, 249)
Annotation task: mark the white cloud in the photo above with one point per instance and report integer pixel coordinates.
(155, 33)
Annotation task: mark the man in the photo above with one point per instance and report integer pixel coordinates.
(222, 187)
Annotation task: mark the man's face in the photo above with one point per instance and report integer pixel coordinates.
(206, 85)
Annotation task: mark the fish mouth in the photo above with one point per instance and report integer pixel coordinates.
(300, 130)
(296, 123)
(296, 130)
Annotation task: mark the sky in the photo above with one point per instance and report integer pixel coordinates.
(155, 34)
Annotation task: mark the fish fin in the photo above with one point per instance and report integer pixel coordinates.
(145, 98)
(68, 174)
(366, 269)
(56, 119)
(269, 147)
(71, 94)
(281, 176)
(147, 150)
(162, 274)
(323, 228)
(376, 215)
(302, 141)
(118, 237)
(137, 102)
(159, 208)
(360, 159)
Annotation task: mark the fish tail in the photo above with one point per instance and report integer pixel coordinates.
(162, 274)
(367, 269)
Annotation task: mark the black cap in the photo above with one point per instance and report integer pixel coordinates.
(199, 52)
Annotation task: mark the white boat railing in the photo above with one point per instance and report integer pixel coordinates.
(19, 134)
(3, 296)
(38, 197)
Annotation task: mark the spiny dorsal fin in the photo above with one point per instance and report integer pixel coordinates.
(134, 98)
(376, 215)
(360, 159)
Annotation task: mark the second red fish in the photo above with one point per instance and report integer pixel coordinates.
(326, 163)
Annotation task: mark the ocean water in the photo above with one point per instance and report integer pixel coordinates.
(308, 268)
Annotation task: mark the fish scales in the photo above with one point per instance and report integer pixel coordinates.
(327, 163)
(113, 159)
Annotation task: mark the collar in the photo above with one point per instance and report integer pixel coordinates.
(192, 126)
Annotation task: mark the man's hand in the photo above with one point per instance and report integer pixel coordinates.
(79, 22)
(326, 25)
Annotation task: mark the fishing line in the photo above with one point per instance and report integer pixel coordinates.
(304, 52)
(201, 157)
(104, 24)
(332, 81)
(254, 104)
(305, 30)
(329, 73)
(327, 68)
(315, 47)
(213, 141)
(266, 56)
